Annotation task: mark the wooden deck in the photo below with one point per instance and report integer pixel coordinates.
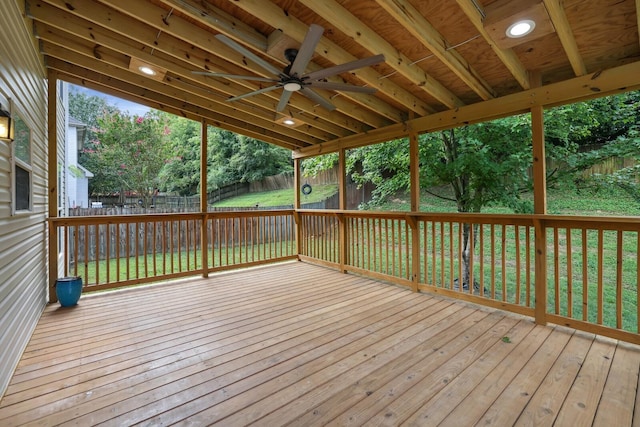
(298, 344)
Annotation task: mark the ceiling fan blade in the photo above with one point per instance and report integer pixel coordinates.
(306, 50)
(342, 86)
(234, 76)
(255, 58)
(353, 65)
(284, 99)
(309, 93)
(255, 92)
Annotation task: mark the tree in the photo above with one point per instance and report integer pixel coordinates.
(88, 109)
(231, 158)
(181, 172)
(128, 154)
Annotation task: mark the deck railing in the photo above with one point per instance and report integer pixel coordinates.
(586, 269)
(115, 251)
(576, 271)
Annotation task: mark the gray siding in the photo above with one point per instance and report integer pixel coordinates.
(23, 239)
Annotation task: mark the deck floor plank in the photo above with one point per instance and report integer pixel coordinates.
(524, 385)
(302, 345)
(618, 398)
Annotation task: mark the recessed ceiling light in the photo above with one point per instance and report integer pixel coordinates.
(520, 28)
(289, 122)
(147, 70)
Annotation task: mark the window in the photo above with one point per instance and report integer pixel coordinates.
(23, 183)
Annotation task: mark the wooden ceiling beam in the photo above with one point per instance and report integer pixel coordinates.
(563, 30)
(602, 83)
(175, 25)
(411, 19)
(346, 22)
(638, 18)
(183, 48)
(114, 67)
(46, 18)
(95, 80)
(293, 27)
(507, 56)
(224, 23)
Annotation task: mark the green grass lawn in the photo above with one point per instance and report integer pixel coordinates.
(277, 197)
(610, 202)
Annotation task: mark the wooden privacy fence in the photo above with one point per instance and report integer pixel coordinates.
(114, 251)
(584, 271)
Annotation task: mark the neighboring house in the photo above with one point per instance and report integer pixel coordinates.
(77, 177)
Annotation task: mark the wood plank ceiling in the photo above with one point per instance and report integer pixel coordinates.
(446, 62)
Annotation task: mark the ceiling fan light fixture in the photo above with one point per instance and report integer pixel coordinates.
(521, 28)
(292, 86)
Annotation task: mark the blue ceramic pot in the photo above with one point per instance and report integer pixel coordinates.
(68, 290)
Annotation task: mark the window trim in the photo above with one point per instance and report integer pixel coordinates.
(15, 161)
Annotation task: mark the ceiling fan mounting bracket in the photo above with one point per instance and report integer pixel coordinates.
(290, 54)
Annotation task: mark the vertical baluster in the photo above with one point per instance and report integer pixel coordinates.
(451, 262)
(504, 262)
(585, 283)
(96, 258)
(600, 276)
(153, 251)
(442, 261)
(516, 232)
(528, 256)
(471, 248)
(569, 275)
(107, 254)
(619, 260)
(481, 255)
(145, 248)
(493, 261)
(556, 270)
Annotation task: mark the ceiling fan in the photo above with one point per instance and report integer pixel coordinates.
(293, 78)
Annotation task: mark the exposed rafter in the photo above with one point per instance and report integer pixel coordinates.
(101, 44)
(507, 56)
(561, 23)
(409, 17)
(369, 39)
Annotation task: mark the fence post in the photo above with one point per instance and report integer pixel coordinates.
(540, 272)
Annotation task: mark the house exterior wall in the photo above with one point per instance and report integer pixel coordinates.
(23, 236)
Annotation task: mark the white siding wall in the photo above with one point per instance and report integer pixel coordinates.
(23, 237)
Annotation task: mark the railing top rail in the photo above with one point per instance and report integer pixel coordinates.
(563, 221)
(119, 219)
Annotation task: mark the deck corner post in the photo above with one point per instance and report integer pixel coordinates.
(415, 251)
(540, 272)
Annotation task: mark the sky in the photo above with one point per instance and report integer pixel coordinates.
(121, 104)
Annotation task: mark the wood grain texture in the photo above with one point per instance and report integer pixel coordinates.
(298, 344)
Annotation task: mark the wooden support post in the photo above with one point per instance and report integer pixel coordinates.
(414, 170)
(204, 203)
(343, 236)
(540, 205)
(296, 204)
(52, 176)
